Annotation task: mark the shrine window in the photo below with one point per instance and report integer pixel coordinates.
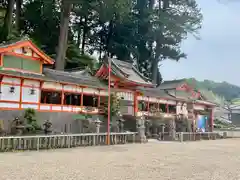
(172, 109)
(103, 101)
(153, 106)
(163, 107)
(142, 106)
(72, 99)
(90, 100)
(50, 97)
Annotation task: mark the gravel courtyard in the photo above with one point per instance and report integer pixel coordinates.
(205, 160)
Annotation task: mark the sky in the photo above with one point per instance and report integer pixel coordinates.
(216, 56)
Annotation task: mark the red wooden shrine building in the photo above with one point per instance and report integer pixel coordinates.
(25, 82)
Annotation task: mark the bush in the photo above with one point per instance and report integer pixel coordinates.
(31, 121)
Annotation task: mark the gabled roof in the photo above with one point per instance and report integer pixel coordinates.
(75, 78)
(171, 84)
(25, 42)
(124, 71)
(153, 92)
(59, 76)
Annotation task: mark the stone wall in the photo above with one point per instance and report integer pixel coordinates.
(64, 122)
(235, 118)
(61, 121)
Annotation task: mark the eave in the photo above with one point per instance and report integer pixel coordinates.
(103, 73)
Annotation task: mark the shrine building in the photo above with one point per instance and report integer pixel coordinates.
(27, 81)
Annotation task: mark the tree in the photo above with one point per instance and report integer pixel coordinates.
(8, 20)
(63, 36)
(31, 121)
(173, 21)
(146, 31)
(18, 14)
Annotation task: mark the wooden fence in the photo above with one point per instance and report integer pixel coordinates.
(16, 143)
(197, 136)
(190, 136)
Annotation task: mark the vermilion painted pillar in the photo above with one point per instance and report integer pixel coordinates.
(211, 119)
(167, 108)
(135, 104)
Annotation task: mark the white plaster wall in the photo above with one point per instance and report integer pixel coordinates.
(11, 80)
(142, 98)
(103, 93)
(26, 96)
(91, 91)
(126, 95)
(52, 85)
(76, 109)
(27, 50)
(161, 101)
(33, 83)
(72, 88)
(32, 106)
(45, 107)
(57, 108)
(7, 96)
(67, 108)
(198, 107)
(171, 102)
(152, 99)
(9, 105)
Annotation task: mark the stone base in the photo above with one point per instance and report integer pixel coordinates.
(140, 139)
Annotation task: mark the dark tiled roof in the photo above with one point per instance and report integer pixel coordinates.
(153, 92)
(60, 76)
(12, 42)
(74, 78)
(127, 70)
(171, 84)
(23, 74)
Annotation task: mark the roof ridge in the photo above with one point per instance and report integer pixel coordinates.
(23, 38)
(124, 73)
(140, 74)
(67, 73)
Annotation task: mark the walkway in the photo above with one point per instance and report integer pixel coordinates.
(211, 160)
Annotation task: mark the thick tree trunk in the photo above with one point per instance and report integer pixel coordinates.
(79, 33)
(163, 5)
(7, 26)
(109, 37)
(155, 71)
(63, 37)
(85, 29)
(18, 14)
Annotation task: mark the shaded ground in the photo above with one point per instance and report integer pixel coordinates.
(219, 159)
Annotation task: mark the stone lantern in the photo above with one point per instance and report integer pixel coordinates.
(120, 122)
(19, 126)
(141, 129)
(147, 127)
(47, 127)
(98, 124)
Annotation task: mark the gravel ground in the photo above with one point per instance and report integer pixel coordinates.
(205, 160)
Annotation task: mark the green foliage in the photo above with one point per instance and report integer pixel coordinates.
(227, 91)
(31, 121)
(114, 105)
(147, 31)
(221, 124)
